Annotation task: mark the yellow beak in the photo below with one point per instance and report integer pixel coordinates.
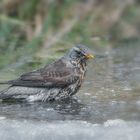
(89, 56)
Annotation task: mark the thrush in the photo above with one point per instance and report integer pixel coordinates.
(56, 81)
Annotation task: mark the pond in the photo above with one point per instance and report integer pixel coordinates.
(107, 106)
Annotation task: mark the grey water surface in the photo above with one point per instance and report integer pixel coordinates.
(106, 108)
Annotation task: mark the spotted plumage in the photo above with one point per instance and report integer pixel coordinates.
(57, 81)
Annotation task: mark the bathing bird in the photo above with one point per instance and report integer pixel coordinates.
(56, 81)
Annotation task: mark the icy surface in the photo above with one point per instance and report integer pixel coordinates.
(68, 130)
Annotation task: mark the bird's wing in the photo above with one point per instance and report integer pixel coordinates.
(55, 75)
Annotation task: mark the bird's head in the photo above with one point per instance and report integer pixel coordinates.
(81, 53)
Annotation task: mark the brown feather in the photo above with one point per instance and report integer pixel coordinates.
(56, 74)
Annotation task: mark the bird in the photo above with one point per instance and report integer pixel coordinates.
(57, 81)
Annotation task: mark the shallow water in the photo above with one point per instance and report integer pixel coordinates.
(106, 107)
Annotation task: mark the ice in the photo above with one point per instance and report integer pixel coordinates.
(68, 130)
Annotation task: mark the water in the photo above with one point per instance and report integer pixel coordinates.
(106, 107)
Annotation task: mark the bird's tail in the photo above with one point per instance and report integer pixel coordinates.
(3, 83)
(3, 91)
(3, 94)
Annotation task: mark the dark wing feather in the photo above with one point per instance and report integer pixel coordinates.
(55, 75)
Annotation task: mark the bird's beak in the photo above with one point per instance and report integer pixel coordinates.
(89, 56)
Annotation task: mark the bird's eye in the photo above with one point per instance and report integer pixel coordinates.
(79, 52)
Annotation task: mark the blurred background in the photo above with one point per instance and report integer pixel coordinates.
(34, 32)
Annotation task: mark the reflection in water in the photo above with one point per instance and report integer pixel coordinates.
(42, 110)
